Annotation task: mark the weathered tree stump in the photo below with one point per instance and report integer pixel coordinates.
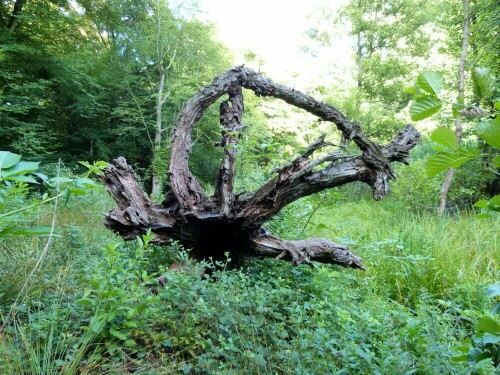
(231, 222)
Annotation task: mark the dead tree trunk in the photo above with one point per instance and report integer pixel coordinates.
(230, 222)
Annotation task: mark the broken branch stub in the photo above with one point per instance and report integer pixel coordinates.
(230, 222)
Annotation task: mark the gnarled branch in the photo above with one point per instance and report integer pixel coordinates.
(234, 223)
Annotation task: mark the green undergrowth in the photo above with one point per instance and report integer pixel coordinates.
(95, 305)
(410, 254)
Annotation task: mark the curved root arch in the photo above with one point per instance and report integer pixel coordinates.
(229, 222)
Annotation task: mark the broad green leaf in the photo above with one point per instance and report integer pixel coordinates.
(489, 131)
(21, 178)
(488, 325)
(130, 324)
(130, 343)
(20, 168)
(496, 161)
(85, 182)
(117, 333)
(491, 338)
(43, 177)
(483, 203)
(495, 200)
(439, 148)
(492, 290)
(445, 137)
(424, 106)
(77, 191)
(432, 82)
(8, 159)
(453, 159)
(483, 83)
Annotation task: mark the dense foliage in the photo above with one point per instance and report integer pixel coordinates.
(95, 305)
(81, 80)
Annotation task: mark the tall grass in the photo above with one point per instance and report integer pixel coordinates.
(409, 254)
(269, 317)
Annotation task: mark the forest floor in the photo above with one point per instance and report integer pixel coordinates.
(93, 306)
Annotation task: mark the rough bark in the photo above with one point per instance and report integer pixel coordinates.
(445, 188)
(14, 19)
(229, 222)
(231, 111)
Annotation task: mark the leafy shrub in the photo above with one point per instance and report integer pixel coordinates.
(482, 350)
(414, 190)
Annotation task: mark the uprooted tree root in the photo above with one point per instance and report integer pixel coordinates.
(233, 222)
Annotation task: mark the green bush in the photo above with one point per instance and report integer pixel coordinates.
(413, 190)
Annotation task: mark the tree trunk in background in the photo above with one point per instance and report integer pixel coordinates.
(445, 188)
(164, 63)
(230, 222)
(156, 180)
(14, 20)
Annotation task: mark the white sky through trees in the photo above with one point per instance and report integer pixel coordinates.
(275, 30)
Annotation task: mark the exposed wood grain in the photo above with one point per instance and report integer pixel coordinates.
(233, 223)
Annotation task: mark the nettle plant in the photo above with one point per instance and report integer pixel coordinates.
(450, 154)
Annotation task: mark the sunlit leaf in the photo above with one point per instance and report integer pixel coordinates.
(488, 325)
(489, 131)
(453, 159)
(77, 191)
(483, 216)
(482, 203)
(483, 83)
(21, 178)
(8, 159)
(445, 137)
(20, 168)
(424, 106)
(495, 200)
(432, 82)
